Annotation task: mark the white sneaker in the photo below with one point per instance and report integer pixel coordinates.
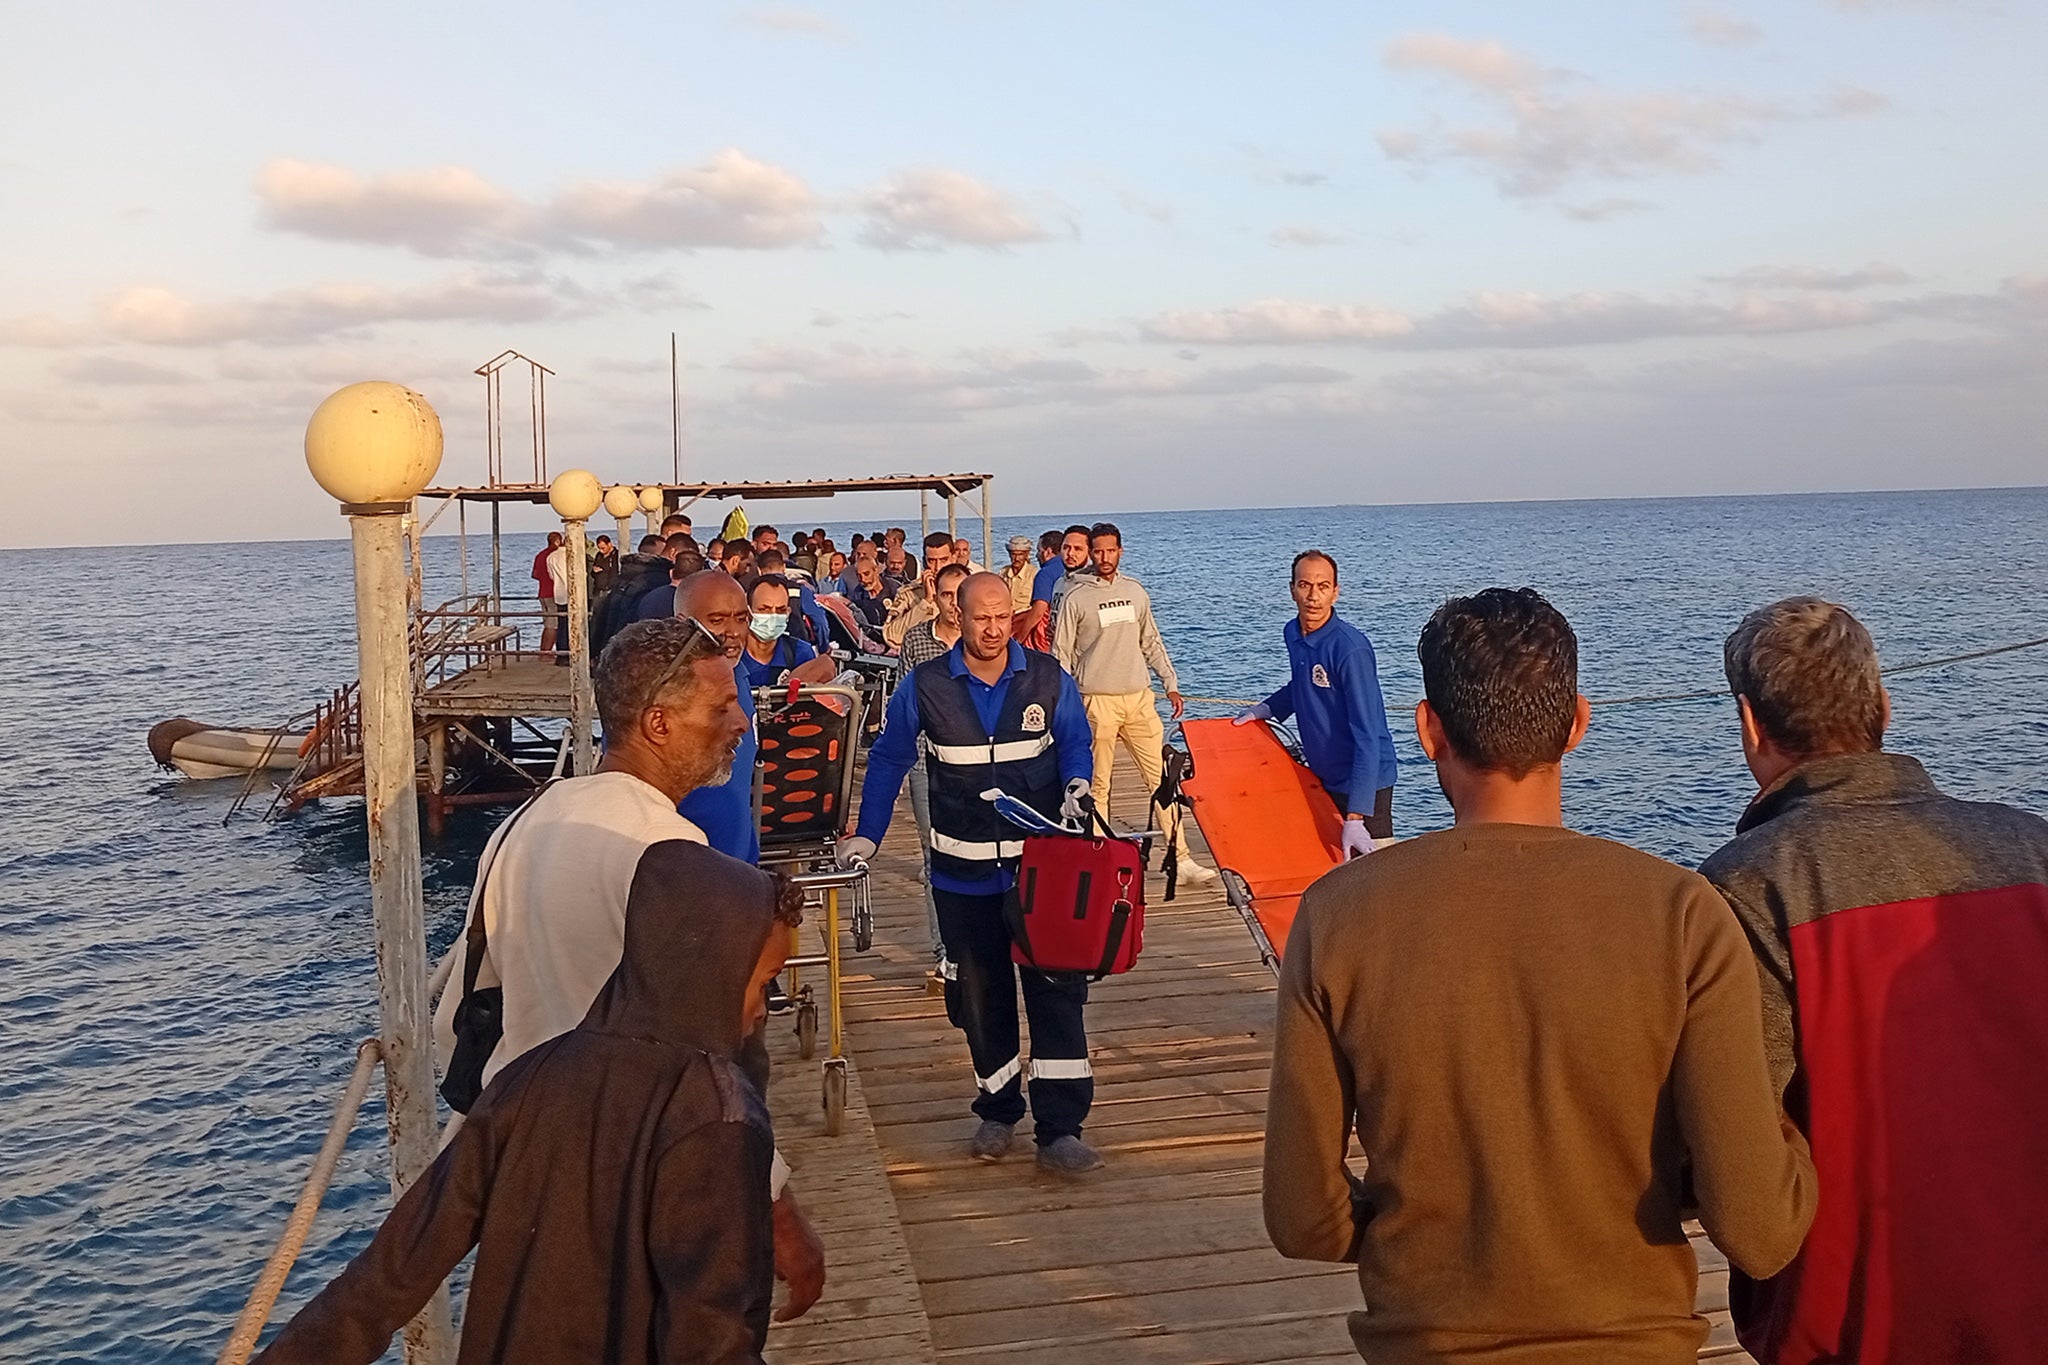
(1194, 874)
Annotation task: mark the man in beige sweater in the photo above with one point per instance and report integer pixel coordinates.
(1547, 1045)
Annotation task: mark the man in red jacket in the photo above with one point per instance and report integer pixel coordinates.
(1902, 941)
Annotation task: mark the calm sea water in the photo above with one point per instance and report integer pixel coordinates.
(179, 1000)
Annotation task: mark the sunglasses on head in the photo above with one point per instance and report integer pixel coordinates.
(700, 643)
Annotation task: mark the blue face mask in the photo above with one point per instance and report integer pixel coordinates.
(769, 625)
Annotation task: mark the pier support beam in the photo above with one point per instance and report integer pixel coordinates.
(651, 502)
(437, 780)
(576, 495)
(374, 446)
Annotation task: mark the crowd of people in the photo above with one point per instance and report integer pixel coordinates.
(1551, 1049)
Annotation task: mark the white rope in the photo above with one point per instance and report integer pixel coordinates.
(270, 1283)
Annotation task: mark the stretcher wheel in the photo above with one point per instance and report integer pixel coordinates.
(863, 927)
(835, 1097)
(806, 1029)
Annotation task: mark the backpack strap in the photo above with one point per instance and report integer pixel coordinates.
(476, 940)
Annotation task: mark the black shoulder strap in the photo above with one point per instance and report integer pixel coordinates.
(475, 940)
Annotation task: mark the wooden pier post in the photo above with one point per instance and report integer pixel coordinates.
(651, 500)
(576, 495)
(619, 502)
(374, 446)
(437, 780)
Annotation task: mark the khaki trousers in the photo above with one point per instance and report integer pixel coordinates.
(1132, 717)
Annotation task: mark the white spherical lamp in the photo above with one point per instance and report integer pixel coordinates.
(575, 495)
(374, 442)
(650, 499)
(619, 501)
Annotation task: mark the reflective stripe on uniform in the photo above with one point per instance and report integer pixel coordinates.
(1016, 751)
(1061, 1069)
(976, 849)
(1007, 1072)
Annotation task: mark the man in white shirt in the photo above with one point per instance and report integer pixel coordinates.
(558, 579)
(555, 879)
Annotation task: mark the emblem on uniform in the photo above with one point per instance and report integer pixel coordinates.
(1034, 717)
(1320, 676)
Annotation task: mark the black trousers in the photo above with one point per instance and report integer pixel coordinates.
(981, 1001)
(1379, 824)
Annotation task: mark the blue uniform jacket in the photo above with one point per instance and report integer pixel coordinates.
(895, 752)
(726, 812)
(1334, 694)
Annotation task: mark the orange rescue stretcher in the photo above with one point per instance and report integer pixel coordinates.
(1269, 824)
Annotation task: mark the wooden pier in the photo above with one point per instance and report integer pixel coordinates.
(1161, 1257)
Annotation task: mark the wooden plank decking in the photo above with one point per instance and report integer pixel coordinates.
(1161, 1257)
(529, 685)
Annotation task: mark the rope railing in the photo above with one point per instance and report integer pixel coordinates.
(1715, 693)
(256, 1312)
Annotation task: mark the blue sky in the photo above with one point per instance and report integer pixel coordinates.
(1122, 255)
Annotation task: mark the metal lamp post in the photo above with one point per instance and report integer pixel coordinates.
(650, 503)
(576, 495)
(373, 447)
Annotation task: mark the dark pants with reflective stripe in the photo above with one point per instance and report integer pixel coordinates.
(1379, 824)
(981, 1001)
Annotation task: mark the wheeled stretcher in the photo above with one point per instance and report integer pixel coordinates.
(803, 784)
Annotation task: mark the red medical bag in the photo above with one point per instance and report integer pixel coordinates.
(1078, 905)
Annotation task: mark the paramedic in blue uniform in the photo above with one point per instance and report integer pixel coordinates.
(1334, 695)
(994, 714)
(726, 812)
(773, 653)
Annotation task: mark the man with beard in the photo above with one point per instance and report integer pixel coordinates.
(554, 882)
(724, 809)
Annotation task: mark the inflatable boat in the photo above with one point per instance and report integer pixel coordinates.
(204, 751)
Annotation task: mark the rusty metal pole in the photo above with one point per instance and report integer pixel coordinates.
(374, 446)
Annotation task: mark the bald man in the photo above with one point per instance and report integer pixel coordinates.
(725, 812)
(988, 695)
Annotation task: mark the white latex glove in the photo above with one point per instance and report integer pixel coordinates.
(1070, 804)
(854, 851)
(1251, 713)
(1357, 842)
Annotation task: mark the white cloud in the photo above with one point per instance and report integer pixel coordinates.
(157, 316)
(42, 330)
(808, 23)
(932, 208)
(732, 200)
(1718, 28)
(1519, 319)
(117, 370)
(1269, 168)
(1599, 210)
(849, 383)
(1281, 320)
(439, 211)
(1869, 276)
(1305, 234)
(1557, 128)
